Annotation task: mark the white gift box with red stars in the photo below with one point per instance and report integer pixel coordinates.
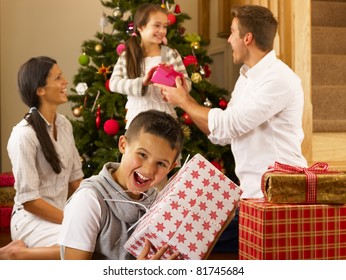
(189, 214)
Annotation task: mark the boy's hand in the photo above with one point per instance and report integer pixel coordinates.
(157, 256)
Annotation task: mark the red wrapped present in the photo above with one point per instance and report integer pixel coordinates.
(165, 75)
(6, 179)
(292, 184)
(5, 216)
(270, 231)
(189, 213)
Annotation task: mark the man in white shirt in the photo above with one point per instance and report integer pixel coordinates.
(263, 120)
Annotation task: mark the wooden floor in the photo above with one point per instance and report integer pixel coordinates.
(5, 238)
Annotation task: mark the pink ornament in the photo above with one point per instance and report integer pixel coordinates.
(120, 48)
(171, 19)
(111, 127)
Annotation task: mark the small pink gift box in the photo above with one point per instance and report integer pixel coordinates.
(165, 75)
(189, 214)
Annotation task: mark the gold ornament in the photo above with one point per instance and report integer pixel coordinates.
(77, 111)
(196, 78)
(186, 131)
(98, 48)
(195, 45)
(103, 70)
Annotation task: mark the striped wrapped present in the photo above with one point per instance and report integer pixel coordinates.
(270, 231)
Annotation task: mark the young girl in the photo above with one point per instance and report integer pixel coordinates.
(45, 161)
(136, 65)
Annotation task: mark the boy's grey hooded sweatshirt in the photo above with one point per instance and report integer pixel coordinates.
(116, 216)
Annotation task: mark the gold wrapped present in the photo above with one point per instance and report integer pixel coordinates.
(287, 184)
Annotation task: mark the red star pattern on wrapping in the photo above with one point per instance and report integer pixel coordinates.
(181, 238)
(192, 202)
(175, 205)
(195, 216)
(188, 184)
(216, 186)
(206, 225)
(219, 205)
(189, 227)
(168, 216)
(195, 174)
(202, 206)
(160, 227)
(199, 235)
(201, 164)
(170, 234)
(199, 192)
(213, 215)
(206, 182)
(232, 186)
(182, 194)
(192, 247)
(222, 177)
(185, 212)
(209, 195)
(226, 195)
(211, 173)
(178, 223)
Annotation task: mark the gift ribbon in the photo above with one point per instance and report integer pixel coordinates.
(310, 172)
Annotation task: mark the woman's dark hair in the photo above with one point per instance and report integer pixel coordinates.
(259, 21)
(134, 53)
(32, 75)
(159, 124)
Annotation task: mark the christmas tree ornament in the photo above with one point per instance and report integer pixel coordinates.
(196, 78)
(107, 85)
(181, 30)
(163, 4)
(111, 127)
(130, 28)
(84, 60)
(117, 12)
(98, 117)
(81, 88)
(192, 37)
(186, 131)
(120, 48)
(207, 71)
(171, 19)
(77, 111)
(170, 7)
(189, 59)
(207, 103)
(195, 45)
(104, 70)
(98, 48)
(177, 10)
(223, 103)
(97, 97)
(201, 70)
(187, 119)
(104, 21)
(216, 164)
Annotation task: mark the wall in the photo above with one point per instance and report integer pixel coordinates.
(53, 28)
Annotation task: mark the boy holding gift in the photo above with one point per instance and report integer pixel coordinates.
(100, 216)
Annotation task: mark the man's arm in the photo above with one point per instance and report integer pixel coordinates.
(75, 254)
(180, 97)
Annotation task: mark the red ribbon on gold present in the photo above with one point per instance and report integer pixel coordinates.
(310, 172)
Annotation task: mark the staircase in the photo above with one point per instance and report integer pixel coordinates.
(328, 64)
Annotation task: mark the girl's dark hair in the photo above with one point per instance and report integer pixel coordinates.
(259, 21)
(134, 53)
(32, 75)
(159, 124)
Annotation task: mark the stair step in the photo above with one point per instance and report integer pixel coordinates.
(328, 40)
(325, 97)
(328, 13)
(328, 69)
(330, 148)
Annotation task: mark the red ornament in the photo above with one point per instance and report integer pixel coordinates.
(223, 104)
(107, 85)
(189, 59)
(171, 19)
(187, 119)
(177, 9)
(206, 71)
(98, 117)
(111, 127)
(216, 164)
(120, 48)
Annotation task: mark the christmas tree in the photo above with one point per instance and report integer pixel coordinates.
(100, 113)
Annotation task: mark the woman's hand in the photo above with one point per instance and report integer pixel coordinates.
(159, 253)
